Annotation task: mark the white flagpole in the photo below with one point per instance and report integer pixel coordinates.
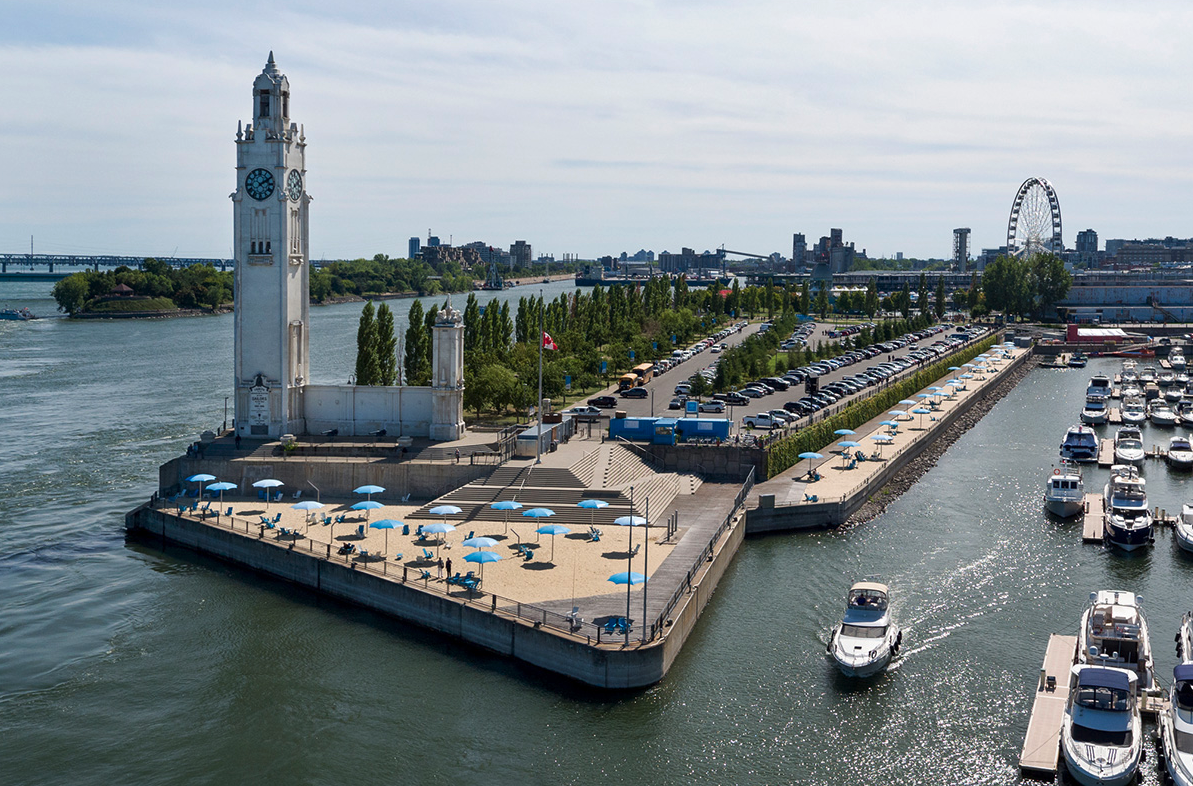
(538, 450)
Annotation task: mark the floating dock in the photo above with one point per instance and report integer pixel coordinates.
(1115, 418)
(1106, 453)
(1092, 528)
(1041, 746)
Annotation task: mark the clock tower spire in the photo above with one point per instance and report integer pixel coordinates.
(270, 243)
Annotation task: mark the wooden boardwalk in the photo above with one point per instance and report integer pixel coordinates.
(1115, 418)
(1106, 453)
(1041, 746)
(1092, 526)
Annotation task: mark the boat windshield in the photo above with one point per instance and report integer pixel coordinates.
(1182, 695)
(864, 631)
(867, 599)
(1103, 698)
(1115, 739)
(1184, 741)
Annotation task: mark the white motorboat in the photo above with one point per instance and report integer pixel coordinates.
(866, 640)
(1147, 375)
(1176, 725)
(1130, 370)
(1131, 390)
(1184, 639)
(1134, 410)
(1128, 445)
(1099, 387)
(1184, 539)
(1184, 412)
(1081, 444)
(1180, 453)
(1094, 413)
(1160, 413)
(1101, 734)
(1176, 359)
(1126, 518)
(1174, 394)
(1114, 627)
(1064, 492)
(1166, 378)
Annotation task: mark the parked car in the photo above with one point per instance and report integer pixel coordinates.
(761, 420)
(735, 399)
(677, 402)
(604, 402)
(712, 406)
(635, 393)
(589, 414)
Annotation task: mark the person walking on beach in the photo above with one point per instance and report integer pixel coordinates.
(457, 455)
(448, 565)
(238, 442)
(439, 569)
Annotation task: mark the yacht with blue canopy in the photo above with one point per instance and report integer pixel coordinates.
(1176, 725)
(1101, 734)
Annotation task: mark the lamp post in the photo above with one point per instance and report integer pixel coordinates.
(629, 566)
(645, 565)
(225, 426)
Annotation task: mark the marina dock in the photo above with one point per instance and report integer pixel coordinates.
(1041, 746)
(1106, 453)
(1115, 418)
(1092, 527)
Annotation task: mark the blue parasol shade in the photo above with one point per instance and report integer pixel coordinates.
(202, 477)
(444, 510)
(923, 395)
(593, 505)
(267, 483)
(223, 485)
(922, 411)
(552, 530)
(307, 504)
(438, 528)
(482, 557)
(626, 577)
(387, 525)
(480, 542)
(506, 505)
(954, 368)
(368, 490)
(367, 505)
(849, 444)
(630, 521)
(810, 455)
(897, 414)
(907, 401)
(894, 423)
(538, 513)
(883, 438)
(844, 432)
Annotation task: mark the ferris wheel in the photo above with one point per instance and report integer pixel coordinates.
(1034, 227)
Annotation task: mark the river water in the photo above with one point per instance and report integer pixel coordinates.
(121, 663)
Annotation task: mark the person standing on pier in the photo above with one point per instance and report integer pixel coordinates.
(439, 569)
(448, 565)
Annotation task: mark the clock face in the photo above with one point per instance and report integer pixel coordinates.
(259, 184)
(294, 185)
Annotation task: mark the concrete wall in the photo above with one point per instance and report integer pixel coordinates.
(723, 463)
(359, 410)
(473, 623)
(335, 478)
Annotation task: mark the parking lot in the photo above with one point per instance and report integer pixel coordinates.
(661, 389)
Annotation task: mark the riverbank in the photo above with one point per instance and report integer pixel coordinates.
(926, 460)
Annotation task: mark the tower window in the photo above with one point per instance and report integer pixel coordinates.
(264, 110)
(285, 104)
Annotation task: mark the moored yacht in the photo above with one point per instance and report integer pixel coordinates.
(1101, 734)
(1180, 453)
(1176, 725)
(1128, 445)
(1176, 359)
(1078, 360)
(1160, 413)
(1184, 539)
(1081, 444)
(1166, 378)
(1147, 375)
(1130, 370)
(1099, 387)
(1184, 412)
(1134, 410)
(866, 640)
(1174, 394)
(1094, 413)
(1064, 492)
(1114, 627)
(1127, 520)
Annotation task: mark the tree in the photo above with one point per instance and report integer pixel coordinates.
(1052, 281)
(871, 307)
(904, 304)
(387, 357)
(72, 292)
(822, 301)
(922, 294)
(418, 347)
(805, 299)
(472, 318)
(940, 302)
(367, 363)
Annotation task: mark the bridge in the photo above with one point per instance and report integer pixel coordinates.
(37, 263)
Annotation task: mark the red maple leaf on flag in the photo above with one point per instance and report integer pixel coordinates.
(548, 342)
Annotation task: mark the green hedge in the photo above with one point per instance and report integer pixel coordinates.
(132, 305)
(784, 453)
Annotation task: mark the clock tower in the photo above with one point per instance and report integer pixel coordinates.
(270, 243)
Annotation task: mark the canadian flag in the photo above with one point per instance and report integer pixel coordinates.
(548, 342)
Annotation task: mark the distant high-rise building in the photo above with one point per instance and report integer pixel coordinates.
(799, 252)
(520, 253)
(413, 248)
(433, 241)
(835, 236)
(961, 248)
(899, 256)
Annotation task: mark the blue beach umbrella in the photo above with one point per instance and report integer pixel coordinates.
(307, 504)
(538, 513)
(482, 557)
(369, 490)
(630, 521)
(387, 525)
(628, 577)
(897, 414)
(221, 487)
(480, 542)
(201, 478)
(506, 505)
(882, 438)
(844, 432)
(921, 412)
(849, 444)
(367, 505)
(439, 528)
(552, 530)
(908, 401)
(267, 483)
(445, 511)
(892, 423)
(593, 505)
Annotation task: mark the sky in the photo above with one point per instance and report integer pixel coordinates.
(591, 129)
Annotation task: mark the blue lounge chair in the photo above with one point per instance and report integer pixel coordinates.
(811, 498)
(277, 518)
(405, 529)
(426, 575)
(398, 557)
(360, 530)
(427, 555)
(229, 513)
(471, 534)
(264, 519)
